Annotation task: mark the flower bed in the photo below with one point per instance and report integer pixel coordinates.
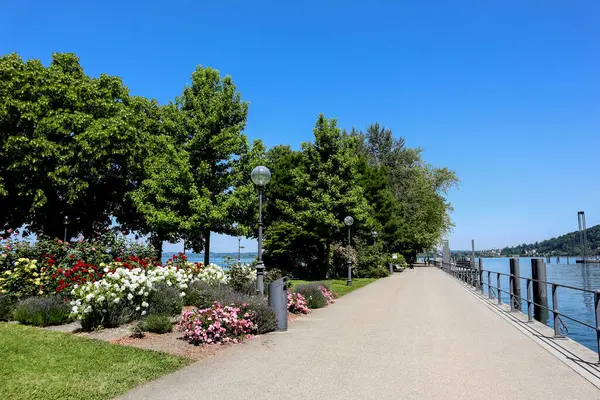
(296, 303)
(131, 287)
(216, 324)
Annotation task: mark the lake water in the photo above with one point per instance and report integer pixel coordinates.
(221, 259)
(574, 303)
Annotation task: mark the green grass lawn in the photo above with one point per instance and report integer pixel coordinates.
(40, 364)
(339, 285)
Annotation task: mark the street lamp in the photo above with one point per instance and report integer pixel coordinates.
(66, 222)
(240, 247)
(260, 176)
(349, 221)
(374, 234)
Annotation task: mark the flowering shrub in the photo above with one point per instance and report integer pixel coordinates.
(296, 303)
(23, 280)
(328, 294)
(212, 274)
(216, 324)
(127, 287)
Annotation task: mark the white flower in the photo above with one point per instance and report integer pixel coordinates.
(117, 300)
(89, 297)
(129, 296)
(144, 312)
(182, 294)
(137, 308)
(144, 304)
(75, 309)
(105, 269)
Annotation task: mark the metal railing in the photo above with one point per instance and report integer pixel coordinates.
(474, 277)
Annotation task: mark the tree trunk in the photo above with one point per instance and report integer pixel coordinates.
(157, 242)
(207, 247)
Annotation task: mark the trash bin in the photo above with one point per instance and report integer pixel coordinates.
(278, 302)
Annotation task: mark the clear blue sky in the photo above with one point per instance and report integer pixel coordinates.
(507, 93)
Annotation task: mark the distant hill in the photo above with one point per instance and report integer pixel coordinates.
(567, 244)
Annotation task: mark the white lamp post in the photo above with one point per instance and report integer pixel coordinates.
(260, 176)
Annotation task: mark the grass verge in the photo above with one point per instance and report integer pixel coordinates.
(339, 285)
(41, 364)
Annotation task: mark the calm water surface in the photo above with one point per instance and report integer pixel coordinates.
(574, 303)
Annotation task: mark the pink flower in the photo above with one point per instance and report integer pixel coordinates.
(60, 241)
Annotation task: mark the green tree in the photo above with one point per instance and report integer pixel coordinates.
(68, 146)
(213, 118)
(309, 204)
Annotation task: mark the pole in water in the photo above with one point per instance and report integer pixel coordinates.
(515, 271)
(582, 233)
(540, 290)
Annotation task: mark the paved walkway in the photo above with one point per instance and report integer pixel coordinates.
(416, 335)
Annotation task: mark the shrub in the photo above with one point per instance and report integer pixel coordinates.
(216, 324)
(313, 295)
(110, 317)
(264, 318)
(164, 300)
(242, 277)
(137, 331)
(157, 323)
(296, 304)
(7, 306)
(203, 295)
(123, 288)
(328, 294)
(42, 311)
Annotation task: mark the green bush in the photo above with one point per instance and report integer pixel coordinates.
(42, 311)
(115, 315)
(266, 319)
(7, 307)
(202, 295)
(313, 295)
(164, 300)
(400, 261)
(157, 323)
(137, 331)
(242, 279)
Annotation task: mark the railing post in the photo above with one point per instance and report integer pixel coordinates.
(529, 303)
(498, 289)
(481, 274)
(489, 284)
(555, 311)
(511, 285)
(597, 308)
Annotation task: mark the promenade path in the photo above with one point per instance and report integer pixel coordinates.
(415, 335)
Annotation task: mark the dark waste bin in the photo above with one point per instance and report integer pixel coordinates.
(278, 302)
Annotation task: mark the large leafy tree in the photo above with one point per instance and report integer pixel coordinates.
(410, 202)
(309, 202)
(213, 119)
(68, 145)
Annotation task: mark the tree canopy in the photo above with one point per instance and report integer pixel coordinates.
(83, 147)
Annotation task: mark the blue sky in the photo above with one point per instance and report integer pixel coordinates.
(506, 93)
